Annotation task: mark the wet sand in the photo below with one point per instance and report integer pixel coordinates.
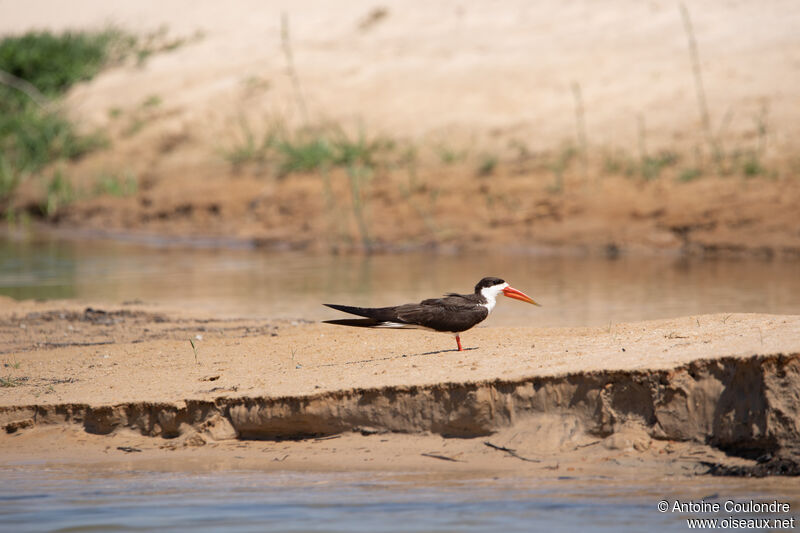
(390, 453)
(83, 383)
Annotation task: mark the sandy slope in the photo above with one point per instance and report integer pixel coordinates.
(478, 81)
(417, 68)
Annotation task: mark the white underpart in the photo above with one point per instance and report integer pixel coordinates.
(490, 293)
(400, 325)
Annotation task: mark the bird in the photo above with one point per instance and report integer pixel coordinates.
(454, 313)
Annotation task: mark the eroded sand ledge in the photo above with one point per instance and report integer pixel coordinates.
(731, 382)
(742, 405)
(746, 406)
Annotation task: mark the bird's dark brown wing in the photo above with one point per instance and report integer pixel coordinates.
(453, 313)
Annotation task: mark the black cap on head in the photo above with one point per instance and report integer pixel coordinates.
(487, 282)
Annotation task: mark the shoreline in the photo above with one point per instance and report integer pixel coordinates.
(43, 230)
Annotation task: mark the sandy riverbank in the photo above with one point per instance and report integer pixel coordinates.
(479, 104)
(101, 381)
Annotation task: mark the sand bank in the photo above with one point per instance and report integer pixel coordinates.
(128, 374)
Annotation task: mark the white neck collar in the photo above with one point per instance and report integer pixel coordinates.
(490, 293)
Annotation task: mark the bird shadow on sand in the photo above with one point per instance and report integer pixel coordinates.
(402, 356)
(439, 351)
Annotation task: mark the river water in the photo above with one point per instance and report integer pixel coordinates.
(75, 500)
(574, 291)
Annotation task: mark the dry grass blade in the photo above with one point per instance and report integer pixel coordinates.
(441, 457)
(8, 79)
(286, 44)
(698, 80)
(510, 452)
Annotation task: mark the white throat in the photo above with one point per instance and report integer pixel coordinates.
(490, 293)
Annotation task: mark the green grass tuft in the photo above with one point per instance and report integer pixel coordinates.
(450, 156)
(55, 62)
(59, 193)
(487, 165)
(36, 69)
(751, 166)
(9, 381)
(559, 165)
(306, 150)
(304, 154)
(39, 67)
(689, 174)
(114, 184)
(651, 166)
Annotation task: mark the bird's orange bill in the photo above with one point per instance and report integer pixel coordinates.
(511, 292)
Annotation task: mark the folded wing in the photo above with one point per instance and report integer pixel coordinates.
(453, 313)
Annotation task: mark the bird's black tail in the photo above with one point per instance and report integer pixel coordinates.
(380, 314)
(355, 322)
(360, 311)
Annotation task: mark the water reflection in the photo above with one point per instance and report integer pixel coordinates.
(573, 290)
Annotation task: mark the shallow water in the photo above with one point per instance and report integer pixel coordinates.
(573, 291)
(34, 499)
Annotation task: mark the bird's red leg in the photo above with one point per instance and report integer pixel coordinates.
(458, 341)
